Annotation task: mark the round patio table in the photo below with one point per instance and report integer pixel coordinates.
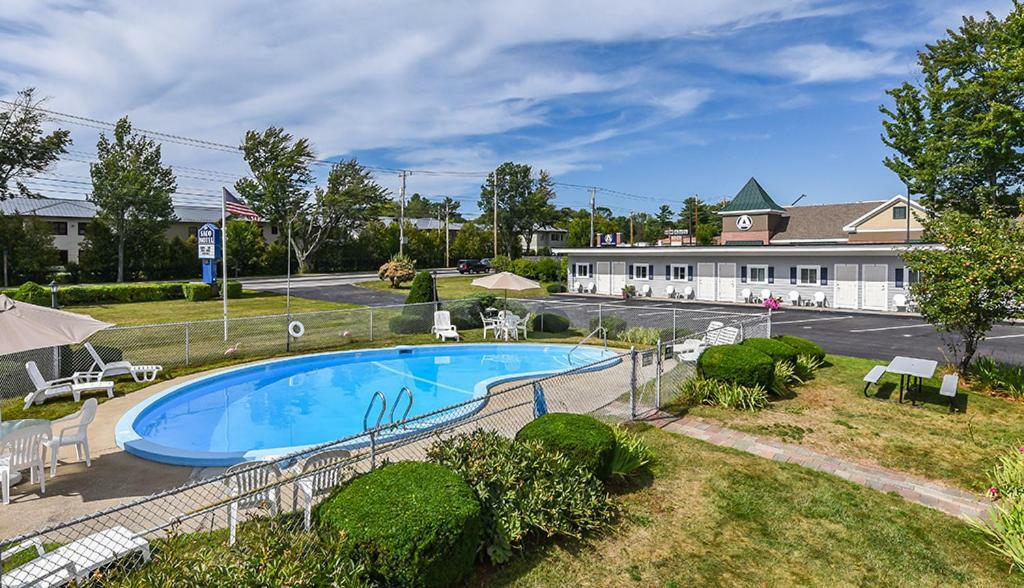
(8, 427)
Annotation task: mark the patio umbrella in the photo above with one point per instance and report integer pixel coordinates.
(25, 326)
(505, 281)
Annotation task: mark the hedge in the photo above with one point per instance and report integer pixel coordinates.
(109, 293)
(615, 325)
(31, 293)
(234, 289)
(550, 323)
(411, 523)
(803, 346)
(197, 291)
(774, 348)
(410, 323)
(584, 439)
(739, 364)
(555, 288)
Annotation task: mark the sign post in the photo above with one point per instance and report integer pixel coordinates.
(208, 237)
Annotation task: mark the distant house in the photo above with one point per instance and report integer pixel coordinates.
(545, 238)
(425, 224)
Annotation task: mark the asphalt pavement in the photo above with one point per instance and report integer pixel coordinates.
(332, 288)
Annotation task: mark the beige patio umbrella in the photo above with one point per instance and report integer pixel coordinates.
(25, 326)
(505, 281)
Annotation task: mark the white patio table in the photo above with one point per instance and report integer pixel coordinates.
(8, 427)
(911, 369)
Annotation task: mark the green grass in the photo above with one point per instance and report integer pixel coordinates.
(714, 517)
(832, 415)
(172, 311)
(456, 287)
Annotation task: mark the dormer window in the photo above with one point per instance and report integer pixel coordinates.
(899, 213)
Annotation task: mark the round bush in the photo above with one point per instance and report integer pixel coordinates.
(738, 364)
(555, 288)
(803, 346)
(582, 438)
(774, 348)
(465, 313)
(550, 323)
(422, 289)
(32, 293)
(411, 523)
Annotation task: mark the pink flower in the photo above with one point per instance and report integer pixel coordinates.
(771, 303)
(1020, 449)
(993, 493)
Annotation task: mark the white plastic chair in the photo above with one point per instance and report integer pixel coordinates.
(244, 480)
(591, 287)
(670, 291)
(524, 324)
(794, 298)
(327, 469)
(23, 450)
(688, 292)
(899, 301)
(819, 299)
(509, 325)
(746, 294)
(60, 387)
(646, 290)
(443, 328)
(765, 294)
(101, 370)
(77, 435)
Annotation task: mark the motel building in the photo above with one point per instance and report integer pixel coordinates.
(844, 256)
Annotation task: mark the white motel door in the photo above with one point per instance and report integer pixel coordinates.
(604, 278)
(876, 286)
(618, 277)
(705, 281)
(845, 286)
(727, 282)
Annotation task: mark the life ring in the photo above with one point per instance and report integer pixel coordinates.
(296, 329)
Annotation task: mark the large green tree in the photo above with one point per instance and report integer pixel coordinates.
(131, 188)
(247, 249)
(471, 242)
(26, 248)
(25, 150)
(972, 280)
(958, 134)
(524, 204)
(280, 180)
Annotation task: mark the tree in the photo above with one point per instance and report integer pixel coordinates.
(524, 204)
(705, 235)
(450, 207)
(26, 248)
(664, 217)
(131, 188)
(471, 242)
(247, 249)
(958, 137)
(973, 281)
(279, 186)
(24, 149)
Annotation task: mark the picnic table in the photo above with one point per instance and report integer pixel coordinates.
(911, 370)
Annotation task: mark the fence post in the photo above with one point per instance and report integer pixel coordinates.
(600, 315)
(373, 450)
(632, 383)
(188, 350)
(769, 323)
(542, 309)
(657, 376)
(673, 324)
(371, 323)
(742, 335)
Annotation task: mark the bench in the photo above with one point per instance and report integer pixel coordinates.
(949, 385)
(872, 377)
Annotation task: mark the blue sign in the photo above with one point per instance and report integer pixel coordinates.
(208, 237)
(608, 239)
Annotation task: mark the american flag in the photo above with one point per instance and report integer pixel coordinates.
(234, 206)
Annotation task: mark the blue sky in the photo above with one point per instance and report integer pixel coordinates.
(660, 99)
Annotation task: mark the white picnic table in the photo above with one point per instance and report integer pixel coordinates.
(911, 369)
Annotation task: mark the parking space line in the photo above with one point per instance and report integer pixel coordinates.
(889, 328)
(814, 320)
(1004, 337)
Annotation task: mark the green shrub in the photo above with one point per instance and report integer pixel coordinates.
(410, 323)
(399, 269)
(555, 288)
(584, 439)
(774, 348)
(500, 263)
(525, 490)
(32, 293)
(119, 293)
(739, 364)
(614, 324)
(631, 454)
(647, 336)
(234, 288)
(197, 291)
(806, 365)
(551, 323)
(465, 313)
(784, 377)
(696, 391)
(990, 375)
(803, 346)
(410, 523)
(422, 289)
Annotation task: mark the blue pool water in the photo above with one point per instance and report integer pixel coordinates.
(275, 407)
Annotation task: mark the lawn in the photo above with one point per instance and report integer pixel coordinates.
(830, 414)
(456, 287)
(173, 311)
(717, 517)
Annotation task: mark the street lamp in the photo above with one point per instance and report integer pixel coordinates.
(53, 294)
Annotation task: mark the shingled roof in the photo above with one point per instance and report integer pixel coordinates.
(820, 221)
(751, 197)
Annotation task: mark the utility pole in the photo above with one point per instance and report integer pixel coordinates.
(495, 206)
(593, 205)
(908, 212)
(447, 234)
(401, 214)
(631, 228)
(696, 219)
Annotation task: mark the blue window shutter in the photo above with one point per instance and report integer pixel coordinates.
(631, 271)
(590, 270)
(743, 274)
(573, 267)
(650, 272)
(771, 274)
(824, 276)
(792, 275)
(668, 272)
(899, 277)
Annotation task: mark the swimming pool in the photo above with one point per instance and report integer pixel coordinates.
(275, 407)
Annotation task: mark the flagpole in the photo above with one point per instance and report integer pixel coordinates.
(224, 258)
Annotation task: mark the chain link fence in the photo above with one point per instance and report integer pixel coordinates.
(230, 513)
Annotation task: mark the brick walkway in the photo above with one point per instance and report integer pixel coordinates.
(952, 501)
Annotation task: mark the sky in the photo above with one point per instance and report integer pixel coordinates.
(659, 100)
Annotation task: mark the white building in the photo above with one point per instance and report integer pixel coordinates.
(545, 237)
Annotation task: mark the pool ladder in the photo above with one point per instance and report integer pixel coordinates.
(404, 392)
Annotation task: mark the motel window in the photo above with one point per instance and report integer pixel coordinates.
(913, 276)
(757, 274)
(808, 275)
(640, 271)
(899, 213)
(582, 270)
(274, 230)
(59, 227)
(679, 273)
(83, 226)
(556, 236)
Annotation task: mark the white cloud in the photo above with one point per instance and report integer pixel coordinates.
(825, 63)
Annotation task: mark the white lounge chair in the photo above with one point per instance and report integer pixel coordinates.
(819, 299)
(670, 291)
(322, 472)
(443, 328)
(719, 336)
(75, 561)
(691, 347)
(23, 450)
(61, 386)
(76, 434)
(746, 294)
(246, 480)
(794, 298)
(102, 370)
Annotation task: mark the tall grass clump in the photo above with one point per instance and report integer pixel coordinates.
(695, 391)
(1004, 530)
(631, 455)
(990, 375)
